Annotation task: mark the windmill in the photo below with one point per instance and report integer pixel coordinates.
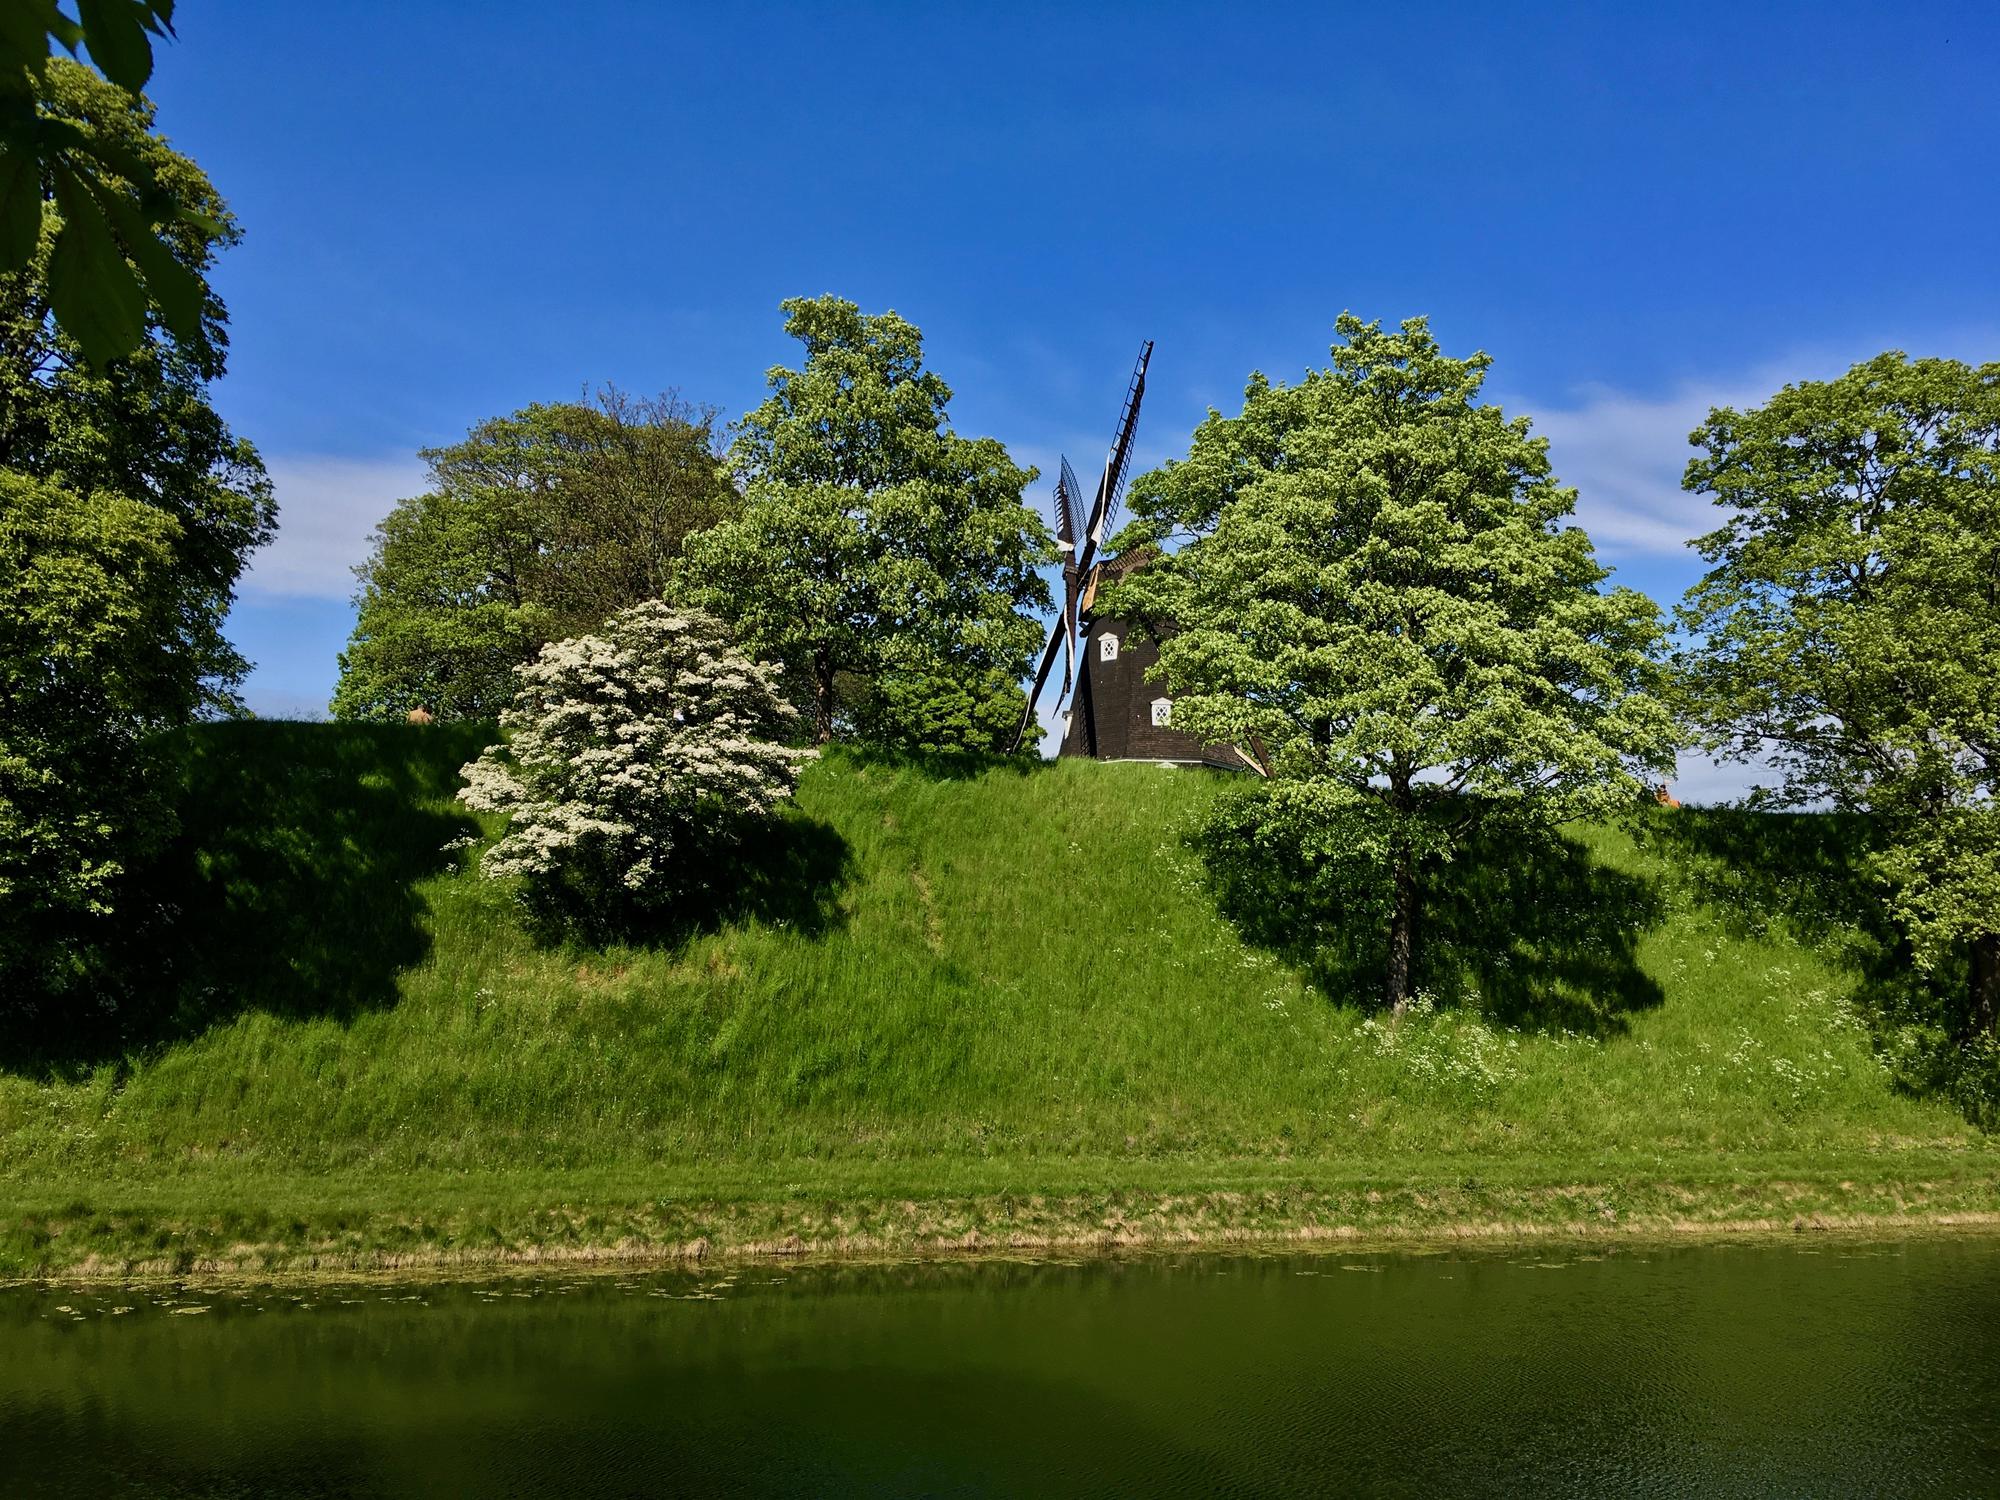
(1081, 533)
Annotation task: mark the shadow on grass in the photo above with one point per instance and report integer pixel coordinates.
(1751, 867)
(1528, 928)
(789, 871)
(937, 765)
(1811, 872)
(1807, 870)
(290, 887)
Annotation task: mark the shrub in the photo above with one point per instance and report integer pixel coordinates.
(933, 707)
(638, 759)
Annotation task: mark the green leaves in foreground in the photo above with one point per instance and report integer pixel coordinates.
(112, 259)
(116, 32)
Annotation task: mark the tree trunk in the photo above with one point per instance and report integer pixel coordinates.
(822, 700)
(1403, 900)
(1983, 1016)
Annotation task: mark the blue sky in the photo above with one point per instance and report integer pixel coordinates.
(454, 209)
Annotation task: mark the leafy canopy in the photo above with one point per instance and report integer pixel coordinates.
(127, 512)
(1376, 595)
(1848, 629)
(539, 525)
(87, 598)
(876, 547)
(637, 756)
(110, 223)
(143, 428)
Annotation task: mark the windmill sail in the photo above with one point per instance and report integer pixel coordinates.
(1069, 531)
(1118, 462)
(1069, 500)
(1081, 536)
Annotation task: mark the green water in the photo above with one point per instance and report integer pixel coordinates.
(1825, 1369)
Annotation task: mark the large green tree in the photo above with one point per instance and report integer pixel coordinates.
(129, 512)
(1848, 630)
(1376, 595)
(537, 527)
(87, 599)
(877, 549)
(142, 427)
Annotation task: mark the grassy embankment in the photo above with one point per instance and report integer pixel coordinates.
(982, 1009)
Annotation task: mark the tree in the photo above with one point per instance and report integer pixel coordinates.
(538, 526)
(143, 428)
(874, 542)
(637, 757)
(1376, 596)
(183, 502)
(115, 224)
(929, 706)
(87, 599)
(1848, 630)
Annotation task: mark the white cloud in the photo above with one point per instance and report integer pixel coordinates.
(326, 509)
(1624, 455)
(1054, 720)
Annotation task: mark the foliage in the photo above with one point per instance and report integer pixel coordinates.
(928, 706)
(1848, 628)
(144, 428)
(128, 512)
(638, 759)
(538, 526)
(874, 541)
(111, 225)
(87, 599)
(1377, 596)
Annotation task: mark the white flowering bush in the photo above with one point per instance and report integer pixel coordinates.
(636, 758)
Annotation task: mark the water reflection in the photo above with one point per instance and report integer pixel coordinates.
(1753, 1371)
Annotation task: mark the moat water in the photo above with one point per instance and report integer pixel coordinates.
(1818, 1368)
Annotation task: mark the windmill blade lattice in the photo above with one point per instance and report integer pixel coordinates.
(1069, 508)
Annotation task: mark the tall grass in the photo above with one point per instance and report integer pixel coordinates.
(1001, 964)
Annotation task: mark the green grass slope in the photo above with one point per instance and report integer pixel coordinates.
(1006, 991)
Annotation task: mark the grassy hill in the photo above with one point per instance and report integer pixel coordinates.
(989, 1002)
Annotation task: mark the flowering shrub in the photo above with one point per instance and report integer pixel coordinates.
(637, 757)
(1457, 1054)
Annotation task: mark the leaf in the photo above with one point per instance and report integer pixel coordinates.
(115, 33)
(208, 224)
(94, 293)
(20, 207)
(64, 30)
(175, 290)
(24, 33)
(65, 135)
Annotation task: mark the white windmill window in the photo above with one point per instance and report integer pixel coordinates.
(1107, 647)
(1163, 712)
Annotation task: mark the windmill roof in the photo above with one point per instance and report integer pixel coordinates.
(1114, 568)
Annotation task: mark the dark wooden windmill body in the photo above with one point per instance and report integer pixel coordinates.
(1114, 712)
